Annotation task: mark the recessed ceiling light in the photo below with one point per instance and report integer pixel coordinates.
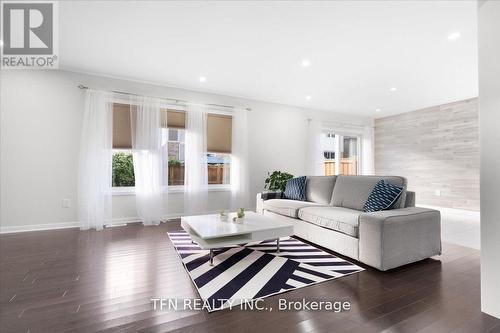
(308, 98)
(1, 43)
(203, 79)
(305, 63)
(393, 89)
(455, 35)
(377, 110)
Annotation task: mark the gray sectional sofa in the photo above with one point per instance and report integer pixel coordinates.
(333, 217)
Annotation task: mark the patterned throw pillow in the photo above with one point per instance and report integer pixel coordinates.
(296, 189)
(382, 196)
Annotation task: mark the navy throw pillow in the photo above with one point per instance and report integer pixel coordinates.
(296, 189)
(382, 196)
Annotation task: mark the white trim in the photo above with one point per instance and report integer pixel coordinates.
(38, 227)
(176, 189)
(337, 152)
(170, 106)
(76, 224)
(124, 220)
(360, 157)
(61, 225)
(214, 110)
(219, 188)
(125, 190)
(119, 191)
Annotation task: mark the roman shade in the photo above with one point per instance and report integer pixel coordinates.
(174, 119)
(122, 130)
(219, 127)
(122, 137)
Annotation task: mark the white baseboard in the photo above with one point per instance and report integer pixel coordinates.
(38, 227)
(67, 225)
(61, 225)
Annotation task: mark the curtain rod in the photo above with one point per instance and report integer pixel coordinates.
(175, 100)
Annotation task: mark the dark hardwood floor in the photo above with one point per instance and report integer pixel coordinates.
(87, 281)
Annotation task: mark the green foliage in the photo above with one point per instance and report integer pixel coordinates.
(173, 162)
(123, 170)
(276, 181)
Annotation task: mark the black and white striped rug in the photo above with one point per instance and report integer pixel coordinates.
(242, 273)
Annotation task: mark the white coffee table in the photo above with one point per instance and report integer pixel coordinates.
(210, 233)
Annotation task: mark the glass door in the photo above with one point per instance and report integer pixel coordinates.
(349, 155)
(341, 153)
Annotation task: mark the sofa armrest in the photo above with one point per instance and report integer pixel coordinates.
(410, 199)
(266, 195)
(392, 238)
(259, 207)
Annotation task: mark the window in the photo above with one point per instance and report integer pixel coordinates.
(219, 168)
(176, 156)
(219, 128)
(341, 154)
(123, 168)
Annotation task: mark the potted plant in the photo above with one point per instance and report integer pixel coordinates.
(223, 215)
(240, 215)
(276, 181)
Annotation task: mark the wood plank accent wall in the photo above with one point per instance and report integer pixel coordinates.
(437, 149)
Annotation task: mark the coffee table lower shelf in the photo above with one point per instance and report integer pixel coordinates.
(212, 251)
(225, 241)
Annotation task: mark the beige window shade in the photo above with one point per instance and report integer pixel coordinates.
(122, 124)
(122, 137)
(174, 119)
(219, 128)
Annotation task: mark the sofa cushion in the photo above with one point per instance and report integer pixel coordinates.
(286, 207)
(319, 189)
(382, 197)
(296, 189)
(353, 191)
(340, 219)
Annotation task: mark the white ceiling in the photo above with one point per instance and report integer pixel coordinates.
(358, 49)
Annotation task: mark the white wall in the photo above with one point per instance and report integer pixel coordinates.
(489, 118)
(41, 115)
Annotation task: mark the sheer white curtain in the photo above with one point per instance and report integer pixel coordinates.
(239, 161)
(147, 155)
(95, 161)
(315, 157)
(195, 161)
(367, 153)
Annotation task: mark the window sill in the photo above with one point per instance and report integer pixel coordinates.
(123, 191)
(118, 191)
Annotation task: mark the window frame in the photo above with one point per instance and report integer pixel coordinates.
(130, 190)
